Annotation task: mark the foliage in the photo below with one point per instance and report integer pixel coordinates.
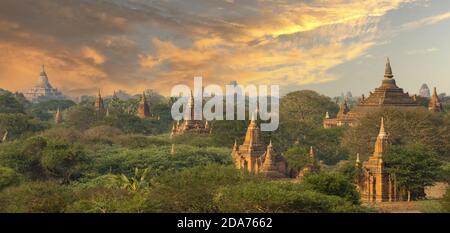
(273, 197)
(404, 127)
(44, 110)
(8, 177)
(10, 103)
(445, 202)
(81, 117)
(333, 184)
(157, 158)
(19, 125)
(68, 135)
(35, 197)
(297, 157)
(140, 180)
(414, 166)
(63, 161)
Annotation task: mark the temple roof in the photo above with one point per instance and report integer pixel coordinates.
(43, 80)
(388, 94)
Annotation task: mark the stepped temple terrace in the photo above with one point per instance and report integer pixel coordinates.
(43, 90)
(388, 95)
(255, 157)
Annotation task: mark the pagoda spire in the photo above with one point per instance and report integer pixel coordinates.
(99, 107)
(388, 69)
(435, 104)
(58, 117)
(381, 142)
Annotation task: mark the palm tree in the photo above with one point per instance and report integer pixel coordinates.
(138, 181)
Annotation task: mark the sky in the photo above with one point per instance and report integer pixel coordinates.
(331, 46)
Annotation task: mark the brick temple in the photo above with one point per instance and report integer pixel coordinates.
(388, 95)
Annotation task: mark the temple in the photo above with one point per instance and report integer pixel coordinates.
(435, 104)
(388, 95)
(255, 157)
(99, 106)
(58, 117)
(43, 90)
(311, 168)
(189, 125)
(143, 110)
(374, 183)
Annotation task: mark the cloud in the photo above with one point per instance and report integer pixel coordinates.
(93, 55)
(137, 44)
(426, 21)
(422, 51)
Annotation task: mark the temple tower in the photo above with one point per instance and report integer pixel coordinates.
(58, 117)
(190, 125)
(99, 106)
(254, 157)
(388, 95)
(435, 104)
(43, 90)
(143, 110)
(374, 183)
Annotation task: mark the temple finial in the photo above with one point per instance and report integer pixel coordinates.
(388, 69)
(382, 131)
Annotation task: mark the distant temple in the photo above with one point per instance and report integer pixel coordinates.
(424, 91)
(99, 105)
(143, 110)
(387, 95)
(58, 117)
(189, 125)
(311, 168)
(254, 157)
(374, 183)
(435, 104)
(43, 90)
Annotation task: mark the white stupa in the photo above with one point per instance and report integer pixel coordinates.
(43, 90)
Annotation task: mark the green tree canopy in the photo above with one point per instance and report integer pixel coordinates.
(405, 126)
(414, 166)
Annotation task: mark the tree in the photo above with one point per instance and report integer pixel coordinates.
(333, 184)
(81, 117)
(64, 161)
(140, 180)
(45, 110)
(297, 157)
(414, 166)
(405, 126)
(19, 124)
(301, 117)
(9, 103)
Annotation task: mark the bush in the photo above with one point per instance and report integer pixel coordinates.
(445, 202)
(67, 135)
(105, 200)
(64, 161)
(35, 197)
(157, 158)
(8, 177)
(135, 141)
(279, 197)
(333, 184)
(101, 134)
